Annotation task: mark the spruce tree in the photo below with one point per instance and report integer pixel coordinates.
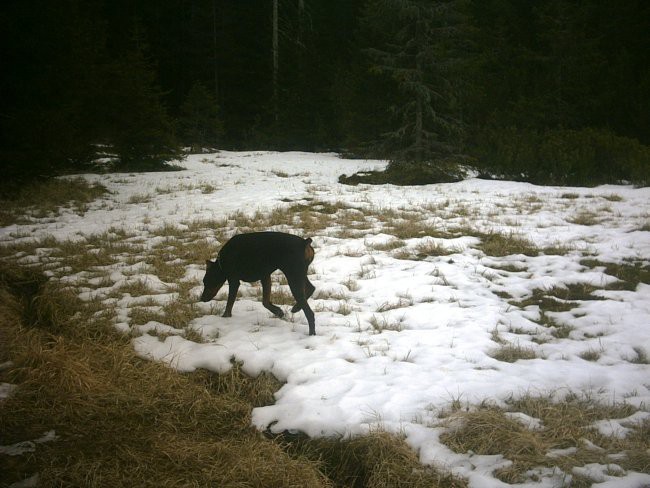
(419, 55)
(199, 124)
(137, 126)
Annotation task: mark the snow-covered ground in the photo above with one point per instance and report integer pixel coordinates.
(398, 340)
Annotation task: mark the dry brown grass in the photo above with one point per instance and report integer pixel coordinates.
(123, 421)
(46, 198)
(390, 245)
(510, 353)
(376, 460)
(488, 429)
(499, 245)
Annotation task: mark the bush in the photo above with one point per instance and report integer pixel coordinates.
(565, 157)
(406, 173)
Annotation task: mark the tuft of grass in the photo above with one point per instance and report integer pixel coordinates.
(179, 313)
(641, 356)
(402, 301)
(428, 249)
(510, 353)
(586, 218)
(351, 284)
(139, 199)
(207, 188)
(135, 288)
(411, 228)
(500, 245)
(613, 197)
(390, 245)
(169, 271)
(380, 323)
(488, 430)
(590, 355)
(561, 331)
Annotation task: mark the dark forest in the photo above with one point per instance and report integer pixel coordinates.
(551, 91)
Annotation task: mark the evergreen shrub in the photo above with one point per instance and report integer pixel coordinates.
(584, 157)
(447, 170)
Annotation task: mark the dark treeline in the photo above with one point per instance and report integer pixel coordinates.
(552, 91)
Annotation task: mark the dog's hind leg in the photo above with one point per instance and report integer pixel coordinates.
(309, 291)
(233, 286)
(298, 285)
(266, 297)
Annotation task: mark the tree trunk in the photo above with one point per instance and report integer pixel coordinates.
(214, 50)
(275, 59)
(419, 109)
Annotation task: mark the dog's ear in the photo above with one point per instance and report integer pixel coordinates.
(308, 241)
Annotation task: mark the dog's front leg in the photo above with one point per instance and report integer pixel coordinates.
(233, 287)
(266, 297)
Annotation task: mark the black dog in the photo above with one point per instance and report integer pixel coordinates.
(253, 257)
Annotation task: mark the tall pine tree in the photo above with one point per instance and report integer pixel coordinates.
(136, 123)
(419, 53)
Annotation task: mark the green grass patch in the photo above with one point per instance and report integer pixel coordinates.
(546, 301)
(629, 274)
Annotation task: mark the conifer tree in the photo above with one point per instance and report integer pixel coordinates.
(418, 53)
(200, 125)
(137, 124)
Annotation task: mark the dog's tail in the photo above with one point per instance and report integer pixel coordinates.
(309, 251)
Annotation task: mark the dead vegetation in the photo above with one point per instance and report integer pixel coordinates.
(118, 420)
(539, 432)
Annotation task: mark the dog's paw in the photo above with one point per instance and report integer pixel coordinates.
(296, 308)
(226, 315)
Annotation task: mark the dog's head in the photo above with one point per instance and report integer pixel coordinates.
(213, 280)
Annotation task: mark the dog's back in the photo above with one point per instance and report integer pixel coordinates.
(251, 256)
